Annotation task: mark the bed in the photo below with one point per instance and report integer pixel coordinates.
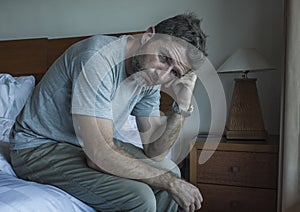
(23, 63)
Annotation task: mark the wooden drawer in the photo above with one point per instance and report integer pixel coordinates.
(218, 198)
(253, 169)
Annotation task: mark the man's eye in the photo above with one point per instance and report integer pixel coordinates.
(164, 59)
(175, 73)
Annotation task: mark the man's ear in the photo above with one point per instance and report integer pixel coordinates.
(148, 35)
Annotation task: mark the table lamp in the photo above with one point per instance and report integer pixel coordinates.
(245, 120)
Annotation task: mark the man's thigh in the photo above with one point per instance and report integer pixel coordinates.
(64, 166)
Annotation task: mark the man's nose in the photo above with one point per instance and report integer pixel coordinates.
(164, 74)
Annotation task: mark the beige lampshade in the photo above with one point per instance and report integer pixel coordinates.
(245, 60)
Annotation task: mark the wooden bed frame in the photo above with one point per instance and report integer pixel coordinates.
(35, 56)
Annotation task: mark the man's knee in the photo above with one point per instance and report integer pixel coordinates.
(148, 202)
(143, 199)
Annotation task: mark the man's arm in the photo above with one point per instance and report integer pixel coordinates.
(159, 134)
(96, 134)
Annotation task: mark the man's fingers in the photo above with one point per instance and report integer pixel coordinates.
(201, 198)
(191, 76)
(192, 208)
(180, 209)
(198, 204)
(170, 83)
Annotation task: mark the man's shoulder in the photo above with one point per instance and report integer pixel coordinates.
(97, 41)
(102, 38)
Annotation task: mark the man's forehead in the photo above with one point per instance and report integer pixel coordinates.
(173, 44)
(176, 51)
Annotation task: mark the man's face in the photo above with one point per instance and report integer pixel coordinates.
(160, 61)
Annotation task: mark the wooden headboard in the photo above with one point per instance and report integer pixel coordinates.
(35, 56)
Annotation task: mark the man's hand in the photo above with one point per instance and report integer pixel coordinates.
(181, 89)
(186, 195)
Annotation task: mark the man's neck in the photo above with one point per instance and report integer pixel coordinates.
(133, 43)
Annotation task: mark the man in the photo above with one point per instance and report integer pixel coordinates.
(69, 132)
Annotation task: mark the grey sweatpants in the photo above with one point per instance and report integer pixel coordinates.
(64, 166)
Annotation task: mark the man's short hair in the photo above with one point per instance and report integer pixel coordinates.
(184, 26)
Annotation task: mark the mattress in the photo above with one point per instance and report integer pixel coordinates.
(25, 196)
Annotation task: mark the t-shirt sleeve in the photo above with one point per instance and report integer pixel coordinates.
(93, 87)
(148, 105)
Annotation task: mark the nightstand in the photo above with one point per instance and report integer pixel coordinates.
(239, 176)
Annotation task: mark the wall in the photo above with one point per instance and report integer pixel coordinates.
(230, 24)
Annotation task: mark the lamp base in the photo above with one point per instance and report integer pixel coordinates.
(245, 119)
(246, 135)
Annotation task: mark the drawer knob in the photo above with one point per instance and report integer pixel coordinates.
(235, 169)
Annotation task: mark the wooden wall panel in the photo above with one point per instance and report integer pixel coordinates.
(23, 57)
(56, 47)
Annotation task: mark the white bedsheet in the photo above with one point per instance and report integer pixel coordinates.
(24, 196)
(17, 195)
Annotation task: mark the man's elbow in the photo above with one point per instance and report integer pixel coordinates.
(154, 155)
(92, 165)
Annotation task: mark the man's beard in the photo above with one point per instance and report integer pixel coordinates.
(136, 65)
(141, 74)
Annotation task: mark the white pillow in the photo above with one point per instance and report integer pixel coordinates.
(14, 91)
(5, 166)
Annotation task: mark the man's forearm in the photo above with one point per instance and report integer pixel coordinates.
(120, 163)
(159, 148)
(163, 181)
